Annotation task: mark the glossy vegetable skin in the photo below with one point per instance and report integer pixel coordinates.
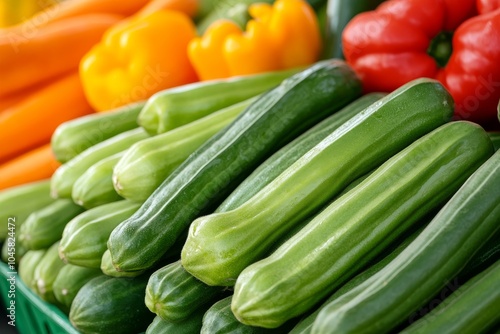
(219, 246)
(438, 254)
(215, 169)
(75, 136)
(360, 225)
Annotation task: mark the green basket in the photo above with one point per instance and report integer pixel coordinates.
(33, 315)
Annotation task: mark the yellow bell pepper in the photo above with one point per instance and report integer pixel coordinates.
(137, 58)
(209, 50)
(279, 36)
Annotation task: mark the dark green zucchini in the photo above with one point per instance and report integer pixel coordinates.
(281, 160)
(174, 294)
(359, 225)
(437, 255)
(495, 138)
(361, 144)
(215, 169)
(111, 305)
(191, 325)
(473, 308)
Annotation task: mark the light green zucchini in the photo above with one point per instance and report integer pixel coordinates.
(148, 163)
(27, 267)
(181, 105)
(65, 176)
(45, 226)
(437, 255)
(219, 246)
(19, 202)
(220, 319)
(210, 173)
(359, 225)
(95, 186)
(281, 160)
(46, 272)
(84, 238)
(108, 269)
(70, 280)
(305, 324)
(174, 294)
(75, 136)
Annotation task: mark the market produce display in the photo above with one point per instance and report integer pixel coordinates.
(250, 166)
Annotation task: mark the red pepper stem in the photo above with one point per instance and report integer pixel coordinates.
(440, 48)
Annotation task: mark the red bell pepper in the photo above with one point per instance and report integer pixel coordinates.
(487, 6)
(406, 39)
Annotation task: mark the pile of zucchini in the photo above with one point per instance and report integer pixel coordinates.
(284, 202)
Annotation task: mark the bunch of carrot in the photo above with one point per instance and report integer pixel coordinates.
(40, 87)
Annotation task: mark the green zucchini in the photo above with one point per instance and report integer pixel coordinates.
(305, 324)
(108, 269)
(244, 235)
(27, 267)
(174, 294)
(281, 160)
(437, 255)
(359, 225)
(172, 255)
(495, 138)
(75, 136)
(220, 319)
(46, 272)
(488, 254)
(111, 305)
(12, 251)
(95, 186)
(191, 325)
(84, 238)
(64, 177)
(181, 105)
(19, 202)
(70, 280)
(471, 309)
(45, 226)
(214, 170)
(147, 163)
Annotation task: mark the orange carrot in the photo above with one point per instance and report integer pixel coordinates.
(44, 53)
(32, 122)
(73, 8)
(189, 7)
(34, 165)
(13, 99)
